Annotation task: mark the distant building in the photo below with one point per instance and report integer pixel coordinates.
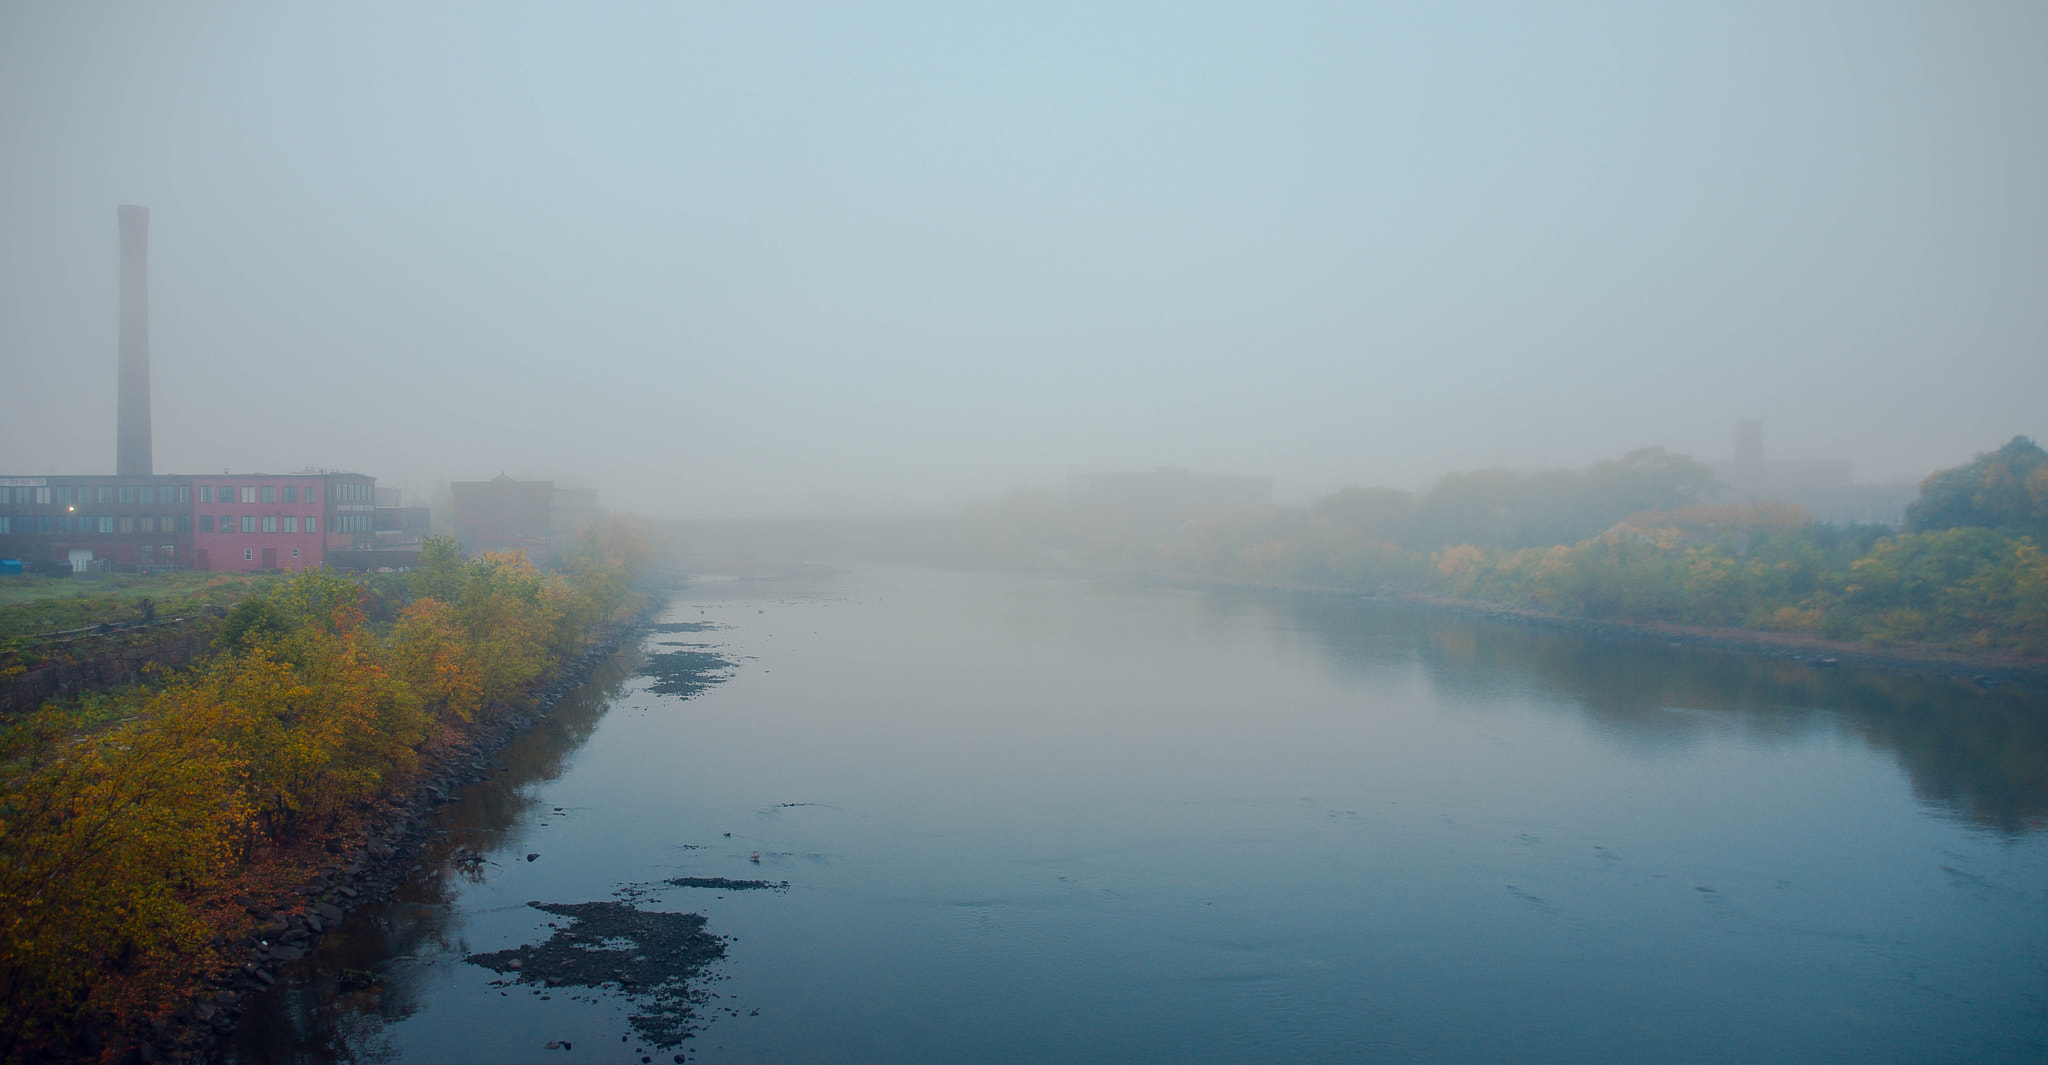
(255, 522)
(400, 527)
(1826, 488)
(536, 517)
(137, 521)
(1168, 494)
(373, 531)
(227, 522)
(95, 522)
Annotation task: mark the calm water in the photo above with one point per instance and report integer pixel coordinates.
(1050, 820)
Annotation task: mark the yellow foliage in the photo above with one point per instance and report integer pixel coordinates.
(430, 655)
(1458, 559)
(100, 836)
(105, 837)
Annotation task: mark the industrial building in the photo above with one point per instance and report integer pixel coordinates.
(536, 517)
(140, 520)
(229, 522)
(1826, 488)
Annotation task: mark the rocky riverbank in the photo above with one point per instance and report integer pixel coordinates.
(364, 860)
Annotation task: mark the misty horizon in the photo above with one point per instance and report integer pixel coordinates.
(730, 262)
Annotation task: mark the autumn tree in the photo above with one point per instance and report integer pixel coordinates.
(102, 835)
(109, 831)
(2002, 489)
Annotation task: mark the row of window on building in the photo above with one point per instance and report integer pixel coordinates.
(128, 494)
(107, 495)
(249, 493)
(149, 523)
(259, 523)
(103, 523)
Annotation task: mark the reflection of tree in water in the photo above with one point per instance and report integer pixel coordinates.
(1981, 754)
(1985, 755)
(337, 1004)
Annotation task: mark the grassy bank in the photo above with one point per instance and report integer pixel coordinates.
(41, 611)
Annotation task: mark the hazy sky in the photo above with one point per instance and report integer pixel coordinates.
(729, 257)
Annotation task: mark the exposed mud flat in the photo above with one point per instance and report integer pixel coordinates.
(671, 627)
(686, 673)
(614, 947)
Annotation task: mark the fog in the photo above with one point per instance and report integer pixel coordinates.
(744, 259)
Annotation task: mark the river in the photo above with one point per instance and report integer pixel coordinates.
(1045, 819)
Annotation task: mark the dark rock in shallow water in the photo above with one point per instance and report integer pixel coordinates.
(686, 673)
(646, 955)
(723, 884)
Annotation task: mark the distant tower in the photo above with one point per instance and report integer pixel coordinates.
(1749, 453)
(131, 444)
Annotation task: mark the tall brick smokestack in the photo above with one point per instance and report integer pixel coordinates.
(131, 445)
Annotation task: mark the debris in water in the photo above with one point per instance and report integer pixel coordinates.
(722, 884)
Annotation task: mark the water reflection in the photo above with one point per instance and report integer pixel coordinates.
(1979, 754)
(1011, 818)
(371, 972)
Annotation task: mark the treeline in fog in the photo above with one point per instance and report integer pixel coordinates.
(1641, 537)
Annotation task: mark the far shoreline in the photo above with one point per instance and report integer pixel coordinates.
(1986, 669)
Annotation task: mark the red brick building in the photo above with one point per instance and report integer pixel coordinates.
(258, 522)
(232, 522)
